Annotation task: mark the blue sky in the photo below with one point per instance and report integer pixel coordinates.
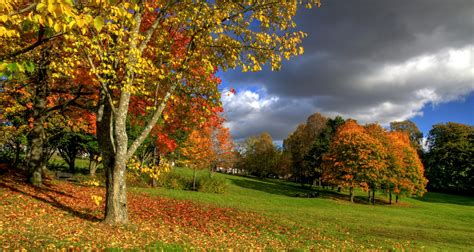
(460, 111)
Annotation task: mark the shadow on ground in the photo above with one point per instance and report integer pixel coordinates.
(15, 180)
(294, 190)
(447, 199)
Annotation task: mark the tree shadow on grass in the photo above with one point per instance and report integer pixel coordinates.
(433, 197)
(269, 186)
(289, 190)
(15, 181)
(50, 199)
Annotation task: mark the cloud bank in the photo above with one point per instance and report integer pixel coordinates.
(374, 61)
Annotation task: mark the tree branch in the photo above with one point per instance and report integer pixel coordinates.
(152, 122)
(39, 42)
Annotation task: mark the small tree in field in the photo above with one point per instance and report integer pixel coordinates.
(198, 151)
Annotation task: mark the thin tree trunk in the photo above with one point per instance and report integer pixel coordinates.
(351, 194)
(194, 179)
(396, 198)
(390, 198)
(368, 198)
(17, 154)
(373, 196)
(72, 165)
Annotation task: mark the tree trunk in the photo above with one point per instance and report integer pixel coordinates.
(390, 198)
(194, 179)
(368, 198)
(72, 165)
(113, 150)
(17, 154)
(351, 194)
(35, 166)
(373, 197)
(116, 192)
(92, 166)
(396, 198)
(36, 154)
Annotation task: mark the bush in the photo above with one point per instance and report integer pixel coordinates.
(173, 180)
(212, 184)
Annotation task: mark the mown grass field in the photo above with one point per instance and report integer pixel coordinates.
(436, 221)
(251, 214)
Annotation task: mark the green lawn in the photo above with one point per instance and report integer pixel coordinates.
(436, 221)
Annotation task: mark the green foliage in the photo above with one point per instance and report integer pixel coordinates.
(320, 146)
(70, 144)
(172, 180)
(259, 155)
(212, 184)
(450, 160)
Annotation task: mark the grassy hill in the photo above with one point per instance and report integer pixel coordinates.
(252, 213)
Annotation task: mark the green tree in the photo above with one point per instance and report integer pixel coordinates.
(69, 145)
(299, 143)
(450, 160)
(321, 146)
(259, 156)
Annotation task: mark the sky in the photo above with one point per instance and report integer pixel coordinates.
(370, 60)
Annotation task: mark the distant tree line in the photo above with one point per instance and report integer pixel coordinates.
(341, 153)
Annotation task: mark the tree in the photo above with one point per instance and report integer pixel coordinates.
(69, 145)
(150, 49)
(223, 147)
(450, 160)
(259, 156)
(32, 35)
(355, 158)
(320, 145)
(299, 144)
(198, 151)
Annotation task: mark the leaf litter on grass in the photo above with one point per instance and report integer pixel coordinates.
(63, 214)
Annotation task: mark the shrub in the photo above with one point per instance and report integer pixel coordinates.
(212, 184)
(173, 180)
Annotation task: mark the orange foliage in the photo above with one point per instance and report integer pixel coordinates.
(370, 158)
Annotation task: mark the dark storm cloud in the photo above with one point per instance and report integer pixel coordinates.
(352, 50)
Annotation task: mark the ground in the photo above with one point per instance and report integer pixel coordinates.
(251, 214)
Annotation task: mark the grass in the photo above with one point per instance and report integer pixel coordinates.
(252, 213)
(435, 221)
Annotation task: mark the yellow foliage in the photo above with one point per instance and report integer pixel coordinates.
(97, 199)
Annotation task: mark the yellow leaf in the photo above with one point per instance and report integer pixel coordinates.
(98, 23)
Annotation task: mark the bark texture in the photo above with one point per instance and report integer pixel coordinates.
(37, 135)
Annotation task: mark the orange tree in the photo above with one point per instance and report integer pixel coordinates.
(198, 152)
(405, 167)
(355, 158)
